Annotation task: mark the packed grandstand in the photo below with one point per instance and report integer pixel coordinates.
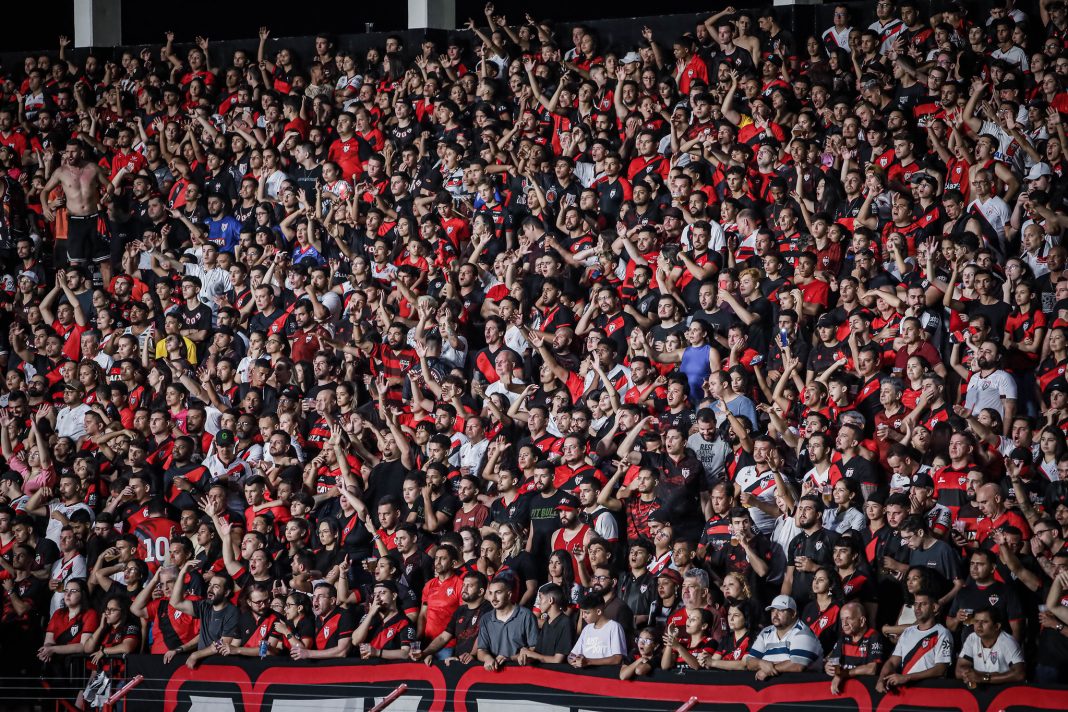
(731, 350)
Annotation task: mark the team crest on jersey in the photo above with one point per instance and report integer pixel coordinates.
(823, 621)
(644, 587)
(263, 631)
(326, 631)
(389, 633)
(449, 590)
(994, 598)
(74, 629)
(819, 545)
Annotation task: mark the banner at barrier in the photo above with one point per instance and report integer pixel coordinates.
(250, 685)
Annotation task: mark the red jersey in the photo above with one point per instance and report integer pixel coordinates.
(154, 540)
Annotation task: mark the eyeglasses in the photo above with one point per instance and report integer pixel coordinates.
(112, 610)
(260, 602)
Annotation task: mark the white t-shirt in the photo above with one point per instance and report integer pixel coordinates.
(988, 392)
(55, 527)
(603, 642)
(996, 659)
(1015, 55)
(70, 422)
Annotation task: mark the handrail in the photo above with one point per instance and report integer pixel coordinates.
(390, 698)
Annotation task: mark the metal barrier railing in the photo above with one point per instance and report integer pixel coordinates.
(64, 686)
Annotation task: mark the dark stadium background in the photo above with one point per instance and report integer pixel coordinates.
(35, 24)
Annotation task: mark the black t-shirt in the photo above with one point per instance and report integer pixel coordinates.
(544, 520)
(996, 314)
(760, 330)
(557, 636)
(215, 624)
(331, 630)
(639, 593)
(869, 648)
(861, 470)
(463, 627)
(307, 178)
(518, 512)
(996, 595)
(387, 477)
(819, 548)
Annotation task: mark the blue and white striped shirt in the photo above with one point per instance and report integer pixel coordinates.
(799, 645)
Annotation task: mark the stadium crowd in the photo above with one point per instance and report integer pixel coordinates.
(733, 350)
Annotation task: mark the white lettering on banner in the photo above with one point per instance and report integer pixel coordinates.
(200, 703)
(506, 705)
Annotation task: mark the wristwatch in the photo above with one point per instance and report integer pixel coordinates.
(1060, 627)
(986, 677)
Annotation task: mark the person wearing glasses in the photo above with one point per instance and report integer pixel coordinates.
(297, 624)
(257, 625)
(119, 633)
(70, 627)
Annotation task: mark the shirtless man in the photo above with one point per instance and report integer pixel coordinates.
(83, 184)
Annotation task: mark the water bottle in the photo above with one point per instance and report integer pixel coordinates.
(263, 649)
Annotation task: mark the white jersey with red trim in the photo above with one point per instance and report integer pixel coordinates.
(921, 650)
(762, 486)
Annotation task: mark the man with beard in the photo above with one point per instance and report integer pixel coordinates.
(544, 519)
(442, 595)
(980, 592)
(682, 480)
(471, 512)
(223, 229)
(711, 449)
(417, 566)
(217, 615)
(604, 582)
(755, 485)
(333, 627)
(990, 386)
(809, 550)
(787, 645)
(185, 481)
(457, 640)
(255, 626)
(573, 536)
